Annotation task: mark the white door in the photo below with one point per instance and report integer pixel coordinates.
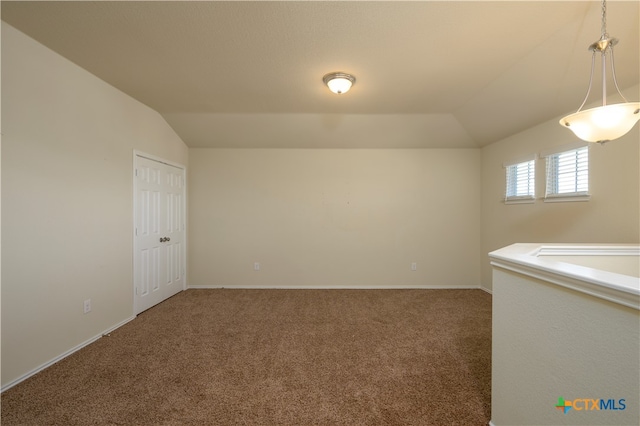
(159, 232)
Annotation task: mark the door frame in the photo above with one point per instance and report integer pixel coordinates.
(139, 154)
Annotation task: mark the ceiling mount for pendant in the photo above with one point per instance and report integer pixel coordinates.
(607, 122)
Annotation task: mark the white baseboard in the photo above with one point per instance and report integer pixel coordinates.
(64, 355)
(491, 423)
(336, 287)
(486, 290)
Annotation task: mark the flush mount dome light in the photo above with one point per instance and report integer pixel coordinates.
(339, 82)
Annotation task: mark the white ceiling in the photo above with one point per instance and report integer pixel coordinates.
(430, 74)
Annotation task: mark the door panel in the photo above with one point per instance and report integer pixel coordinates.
(174, 229)
(159, 232)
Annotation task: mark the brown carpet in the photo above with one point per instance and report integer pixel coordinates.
(277, 357)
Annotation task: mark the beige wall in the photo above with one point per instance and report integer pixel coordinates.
(67, 209)
(355, 218)
(550, 341)
(611, 216)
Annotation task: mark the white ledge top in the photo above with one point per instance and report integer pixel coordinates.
(537, 261)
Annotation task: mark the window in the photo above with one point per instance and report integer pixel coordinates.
(568, 175)
(521, 182)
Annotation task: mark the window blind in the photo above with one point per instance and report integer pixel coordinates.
(520, 182)
(568, 173)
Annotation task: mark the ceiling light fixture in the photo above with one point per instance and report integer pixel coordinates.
(607, 122)
(339, 82)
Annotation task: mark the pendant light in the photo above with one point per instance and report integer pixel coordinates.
(607, 122)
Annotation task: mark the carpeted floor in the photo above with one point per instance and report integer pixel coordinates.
(277, 357)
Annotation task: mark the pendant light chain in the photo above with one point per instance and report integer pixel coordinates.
(603, 28)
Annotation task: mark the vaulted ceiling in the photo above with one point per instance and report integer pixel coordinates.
(430, 74)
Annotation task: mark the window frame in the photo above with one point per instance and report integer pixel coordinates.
(551, 173)
(510, 182)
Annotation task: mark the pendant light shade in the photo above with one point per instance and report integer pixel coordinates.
(607, 122)
(604, 123)
(339, 82)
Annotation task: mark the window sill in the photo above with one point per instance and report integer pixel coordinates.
(567, 198)
(523, 200)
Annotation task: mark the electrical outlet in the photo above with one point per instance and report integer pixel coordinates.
(256, 266)
(414, 266)
(87, 306)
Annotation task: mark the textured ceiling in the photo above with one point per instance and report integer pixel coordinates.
(429, 74)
